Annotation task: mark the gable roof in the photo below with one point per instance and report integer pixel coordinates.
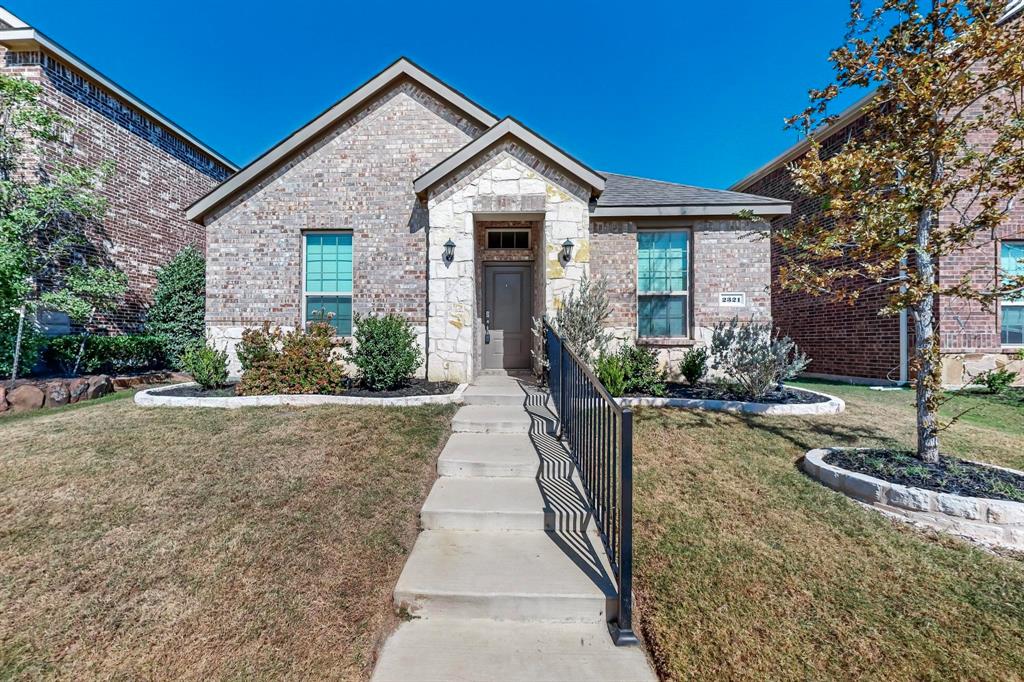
(402, 68)
(509, 127)
(627, 195)
(21, 36)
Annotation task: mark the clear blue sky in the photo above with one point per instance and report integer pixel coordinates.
(686, 91)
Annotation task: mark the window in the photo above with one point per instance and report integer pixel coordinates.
(508, 239)
(328, 285)
(663, 283)
(1011, 261)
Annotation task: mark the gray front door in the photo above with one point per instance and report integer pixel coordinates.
(507, 296)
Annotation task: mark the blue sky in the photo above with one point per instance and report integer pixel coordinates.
(686, 91)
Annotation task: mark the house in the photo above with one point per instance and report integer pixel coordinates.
(407, 197)
(853, 341)
(159, 168)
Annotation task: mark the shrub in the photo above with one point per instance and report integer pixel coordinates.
(631, 370)
(258, 345)
(996, 380)
(694, 365)
(581, 318)
(754, 359)
(385, 351)
(32, 343)
(294, 362)
(179, 303)
(106, 354)
(208, 366)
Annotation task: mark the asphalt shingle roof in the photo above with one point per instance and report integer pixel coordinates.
(626, 190)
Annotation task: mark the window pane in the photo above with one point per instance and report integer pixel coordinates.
(328, 263)
(1013, 325)
(663, 261)
(1011, 260)
(337, 308)
(662, 316)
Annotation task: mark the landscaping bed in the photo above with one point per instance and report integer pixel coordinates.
(411, 388)
(789, 401)
(951, 475)
(786, 396)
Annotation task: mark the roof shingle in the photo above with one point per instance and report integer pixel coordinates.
(626, 190)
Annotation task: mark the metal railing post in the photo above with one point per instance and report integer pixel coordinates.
(622, 629)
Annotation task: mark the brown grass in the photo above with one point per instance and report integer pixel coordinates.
(747, 569)
(169, 544)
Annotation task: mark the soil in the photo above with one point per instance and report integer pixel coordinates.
(787, 396)
(411, 388)
(950, 475)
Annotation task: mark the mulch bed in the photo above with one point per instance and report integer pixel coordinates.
(950, 475)
(412, 387)
(787, 396)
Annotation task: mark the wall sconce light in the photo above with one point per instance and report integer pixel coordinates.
(566, 254)
(449, 251)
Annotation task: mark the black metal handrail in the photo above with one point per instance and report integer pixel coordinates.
(599, 435)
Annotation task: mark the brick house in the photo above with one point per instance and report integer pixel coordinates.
(855, 341)
(407, 197)
(159, 168)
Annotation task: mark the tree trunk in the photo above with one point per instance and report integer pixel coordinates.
(17, 343)
(926, 347)
(81, 346)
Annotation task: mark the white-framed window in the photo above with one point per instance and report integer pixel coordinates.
(1011, 322)
(508, 238)
(663, 283)
(327, 279)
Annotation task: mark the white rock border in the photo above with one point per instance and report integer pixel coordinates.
(998, 523)
(153, 398)
(834, 405)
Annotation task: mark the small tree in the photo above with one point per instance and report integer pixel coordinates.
(914, 185)
(46, 202)
(87, 293)
(179, 303)
(580, 319)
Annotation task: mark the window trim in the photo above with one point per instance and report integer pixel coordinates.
(1003, 303)
(304, 295)
(527, 230)
(688, 307)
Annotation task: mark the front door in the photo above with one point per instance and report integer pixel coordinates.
(507, 294)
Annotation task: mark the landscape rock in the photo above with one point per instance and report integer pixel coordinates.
(56, 393)
(99, 385)
(77, 389)
(26, 397)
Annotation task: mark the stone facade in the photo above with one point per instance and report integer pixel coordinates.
(156, 175)
(357, 177)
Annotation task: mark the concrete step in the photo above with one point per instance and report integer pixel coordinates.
(494, 504)
(491, 419)
(520, 576)
(495, 393)
(488, 454)
(464, 650)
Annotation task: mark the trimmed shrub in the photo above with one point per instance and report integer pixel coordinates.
(179, 304)
(208, 366)
(385, 351)
(258, 345)
(107, 354)
(996, 380)
(32, 344)
(694, 365)
(753, 358)
(294, 362)
(631, 370)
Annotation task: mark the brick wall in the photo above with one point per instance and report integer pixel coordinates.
(156, 175)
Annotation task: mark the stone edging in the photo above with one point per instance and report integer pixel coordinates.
(152, 398)
(833, 406)
(990, 522)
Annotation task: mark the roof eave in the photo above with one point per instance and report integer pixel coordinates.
(702, 210)
(21, 39)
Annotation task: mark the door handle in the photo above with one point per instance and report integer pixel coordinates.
(487, 326)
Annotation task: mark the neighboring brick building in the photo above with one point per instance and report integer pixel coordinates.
(159, 169)
(407, 197)
(855, 341)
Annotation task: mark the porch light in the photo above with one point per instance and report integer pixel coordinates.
(449, 251)
(566, 255)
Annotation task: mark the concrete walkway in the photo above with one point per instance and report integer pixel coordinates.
(508, 580)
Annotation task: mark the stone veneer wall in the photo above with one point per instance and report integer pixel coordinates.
(156, 175)
(725, 257)
(505, 180)
(358, 177)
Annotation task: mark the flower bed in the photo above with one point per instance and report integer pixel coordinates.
(789, 401)
(994, 519)
(191, 395)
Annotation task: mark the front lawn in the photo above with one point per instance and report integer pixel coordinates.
(170, 543)
(747, 569)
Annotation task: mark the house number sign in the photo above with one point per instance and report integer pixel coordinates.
(732, 299)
